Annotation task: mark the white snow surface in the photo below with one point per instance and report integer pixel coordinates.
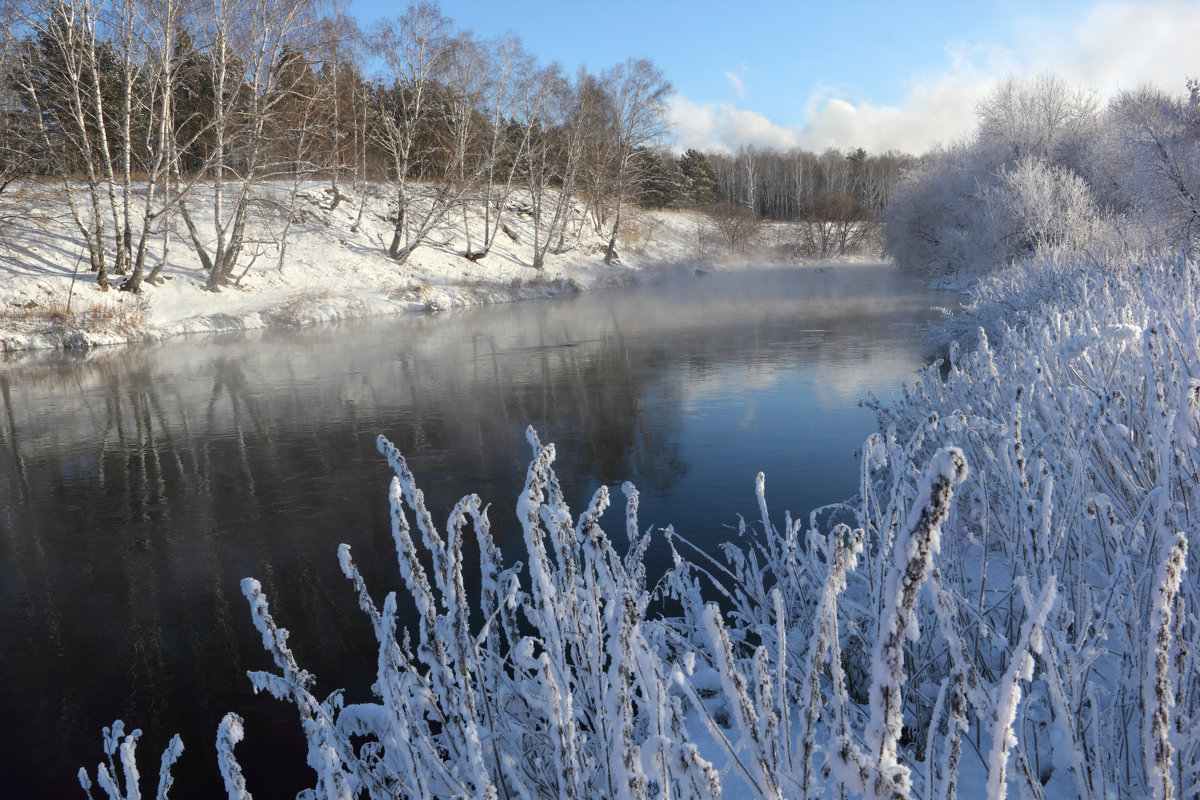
(330, 270)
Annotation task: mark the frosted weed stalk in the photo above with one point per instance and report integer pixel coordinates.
(563, 691)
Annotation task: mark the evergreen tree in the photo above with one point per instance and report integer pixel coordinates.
(658, 179)
(699, 189)
(193, 104)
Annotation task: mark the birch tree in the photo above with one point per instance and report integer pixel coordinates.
(512, 85)
(551, 112)
(59, 81)
(415, 50)
(160, 21)
(246, 41)
(639, 92)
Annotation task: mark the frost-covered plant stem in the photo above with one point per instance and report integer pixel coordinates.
(843, 559)
(1020, 667)
(881, 773)
(1158, 696)
(107, 774)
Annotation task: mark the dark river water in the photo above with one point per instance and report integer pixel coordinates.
(139, 485)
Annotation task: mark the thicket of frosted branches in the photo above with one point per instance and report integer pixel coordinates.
(1050, 168)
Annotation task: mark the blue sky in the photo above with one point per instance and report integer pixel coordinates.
(880, 75)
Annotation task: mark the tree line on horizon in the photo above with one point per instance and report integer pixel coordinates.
(139, 109)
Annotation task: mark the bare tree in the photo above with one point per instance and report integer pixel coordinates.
(512, 86)
(78, 74)
(749, 172)
(302, 120)
(415, 50)
(837, 226)
(737, 225)
(248, 43)
(1044, 117)
(598, 129)
(160, 21)
(341, 52)
(639, 92)
(555, 113)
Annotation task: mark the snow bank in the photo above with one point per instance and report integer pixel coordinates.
(334, 266)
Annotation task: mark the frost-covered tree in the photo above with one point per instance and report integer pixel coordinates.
(1156, 161)
(1043, 117)
(1047, 170)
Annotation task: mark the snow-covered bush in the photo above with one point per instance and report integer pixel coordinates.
(930, 223)
(1037, 206)
(958, 215)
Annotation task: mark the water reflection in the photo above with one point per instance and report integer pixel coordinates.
(138, 486)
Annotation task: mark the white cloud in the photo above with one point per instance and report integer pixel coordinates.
(738, 86)
(721, 126)
(1120, 45)
(1116, 45)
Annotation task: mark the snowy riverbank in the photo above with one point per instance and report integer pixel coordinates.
(334, 266)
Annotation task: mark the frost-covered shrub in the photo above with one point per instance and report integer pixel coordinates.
(930, 223)
(1152, 157)
(958, 215)
(1036, 206)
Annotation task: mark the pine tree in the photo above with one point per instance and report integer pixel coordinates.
(699, 180)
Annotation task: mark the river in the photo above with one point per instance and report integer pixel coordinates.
(138, 485)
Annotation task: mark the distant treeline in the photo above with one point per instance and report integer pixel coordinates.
(798, 184)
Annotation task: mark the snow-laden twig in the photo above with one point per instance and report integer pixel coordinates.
(107, 775)
(229, 734)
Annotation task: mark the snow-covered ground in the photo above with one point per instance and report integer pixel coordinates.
(330, 270)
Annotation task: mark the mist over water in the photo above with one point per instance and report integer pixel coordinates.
(139, 485)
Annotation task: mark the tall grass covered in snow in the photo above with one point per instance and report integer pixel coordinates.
(1008, 607)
